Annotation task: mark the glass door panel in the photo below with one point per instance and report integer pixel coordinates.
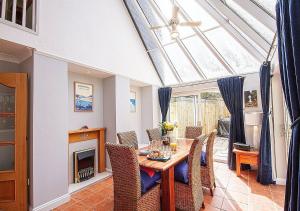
(7, 128)
(7, 158)
(183, 111)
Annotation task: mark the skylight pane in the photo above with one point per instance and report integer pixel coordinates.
(182, 64)
(238, 58)
(197, 13)
(141, 25)
(269, 5)
(208, 63)
(261, 29)
(161, 64)
(162, 34)
(166, 8)
(257, 47)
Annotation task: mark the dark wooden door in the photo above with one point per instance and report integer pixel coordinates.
(13, 153)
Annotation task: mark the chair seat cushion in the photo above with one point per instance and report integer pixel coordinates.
(148, 182)
(181, 172)
(149, 171)
(203, 159)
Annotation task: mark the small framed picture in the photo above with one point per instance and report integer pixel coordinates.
(132, 101)
(83, 97)
(250, 98)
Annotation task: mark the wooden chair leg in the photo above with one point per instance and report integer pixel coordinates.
(211, 192)
(203, 205)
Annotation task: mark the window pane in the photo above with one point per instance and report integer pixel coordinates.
(163, 68)
(141, 25)
(262, 51)
(19, 12)
(253, 22)
(162, 34)
(197, 13)
(9, 9)
(239, 59)
(208, 63)
(182, 64)
(166, 7)
(29, 13)
(269, 5)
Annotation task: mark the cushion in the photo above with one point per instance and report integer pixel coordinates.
(203, 159)
(181, 172)
(148, 182)
(149, 171)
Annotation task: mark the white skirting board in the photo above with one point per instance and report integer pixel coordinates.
(52, 204)
(280, 181)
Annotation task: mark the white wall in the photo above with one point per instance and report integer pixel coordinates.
(50, 126)
(135, 118)
(151, 115)
(279, 142)
(99, 34)
(91, 119)
(252, 133)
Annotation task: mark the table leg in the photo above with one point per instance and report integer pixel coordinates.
(238, 165)
(168, 192)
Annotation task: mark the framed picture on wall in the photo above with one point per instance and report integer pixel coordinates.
(132, 101)
(250, 98)
(83, 97)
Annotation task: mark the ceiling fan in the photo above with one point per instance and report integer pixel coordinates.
(174, 23)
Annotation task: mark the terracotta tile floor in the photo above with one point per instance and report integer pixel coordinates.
(232, 193)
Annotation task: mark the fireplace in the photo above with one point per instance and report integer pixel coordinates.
(84, 165)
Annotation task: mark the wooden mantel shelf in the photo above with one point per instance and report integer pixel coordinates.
(86, 130)
(89, 134)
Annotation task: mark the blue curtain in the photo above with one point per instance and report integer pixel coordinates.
(288, 29)
(264, 175)
(164, 95)
(232, 92)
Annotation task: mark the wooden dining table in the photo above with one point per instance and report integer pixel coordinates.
(167, 171)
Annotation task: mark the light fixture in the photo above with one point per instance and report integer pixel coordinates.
(174, 34)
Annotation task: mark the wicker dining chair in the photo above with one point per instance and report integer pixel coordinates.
(207, 171)
(128, 138)
(154, 134)
(127, 181)
(193, 131)
(190, 196)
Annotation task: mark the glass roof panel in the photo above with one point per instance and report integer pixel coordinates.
(166, 7)
(188, 58)
(166, 75)
(153, 19)
(260, 28)
(184, 67)
(208, 63)
(262, 51)
(238, 58)
(197, 13)
(269, 5)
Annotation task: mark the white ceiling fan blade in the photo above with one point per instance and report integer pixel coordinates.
(158, 27)
(175, 12)
(190, 23)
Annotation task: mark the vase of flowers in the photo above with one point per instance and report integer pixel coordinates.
(167, 131)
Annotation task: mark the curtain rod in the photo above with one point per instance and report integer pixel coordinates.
(209, 80)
